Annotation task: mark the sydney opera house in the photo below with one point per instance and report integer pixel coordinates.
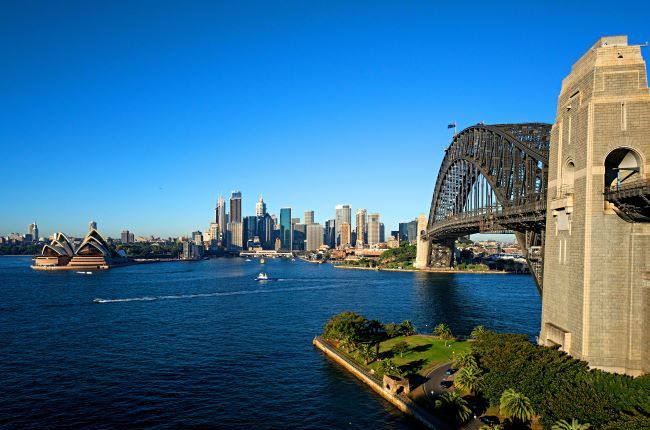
(93, 253)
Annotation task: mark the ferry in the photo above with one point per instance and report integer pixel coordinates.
(264, 277)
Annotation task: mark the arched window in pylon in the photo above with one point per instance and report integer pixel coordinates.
(622, 168)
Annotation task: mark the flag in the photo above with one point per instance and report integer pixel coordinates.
(481, 123)
(452, 125)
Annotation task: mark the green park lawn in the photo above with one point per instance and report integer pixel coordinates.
(424, 352)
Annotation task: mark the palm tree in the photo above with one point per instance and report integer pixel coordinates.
(454, 406)
(367, 353)
(469, 378)
(464, 359)
(573, 425)
(516, 405)
(407, 327)
(478, 331)
(348, 343)
(389, 368)
(444, 332)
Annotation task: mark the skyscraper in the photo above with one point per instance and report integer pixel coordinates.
(382, 233)
(373, 229)
(197, 237)
(221, 218)
(265, 226)
(361, 227)
(309, 217)
(412, 229)
(299, 236)
(260, 207)
(125, 236)
(235, 236)
(235, 207)
(286, 237)
(346, 230)
(329, 237)
(250, 229)
(32, 229)
(314, 237)
(343, 215)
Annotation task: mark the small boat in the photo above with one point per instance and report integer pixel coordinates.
(85, 273)
(261, 261)
(264, 277)
(248, 259)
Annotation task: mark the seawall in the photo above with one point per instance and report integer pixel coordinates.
(402, 403)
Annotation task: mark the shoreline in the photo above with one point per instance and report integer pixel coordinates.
(445, 271)
(401, 402)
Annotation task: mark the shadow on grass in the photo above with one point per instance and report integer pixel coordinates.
(413, 366)
(421, 348)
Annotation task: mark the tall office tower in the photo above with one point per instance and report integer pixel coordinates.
(299, 236)
(125, 236)
(373, 229)
(314, 237)
(382, 233)
(250, 228)
(221, 218)
(295, 220)
(265, 227)
(361, 226)
(346, 240)
(403, 232)
(412, 228)
(234, 236)
(329, 238)
(309, 217)
(92, 225)
(395, 234)
(343, 215)
(260, 207)
(131, 237)
(235, 207)
(214, 235)
(197, 237)
(33, 230)
(286, 237)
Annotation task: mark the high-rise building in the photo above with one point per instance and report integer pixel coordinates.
(221, 220)
(403, 232)
(361, 227)
(346, 239)
(125, 236)
(412, 229)
(314, 237)
(131, 237)
(33, 230)
(260, 208)
(299, 236)
(250, 228)
(373, 229)
(343, 215)
(235, 236)
(286, 237)
(265, 226)
(382, 233)
(197, 237)
(309, 217)
(295, 220)
(329, 237)
(235, 207)
(214, 235)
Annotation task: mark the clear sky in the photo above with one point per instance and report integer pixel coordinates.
(138, 114)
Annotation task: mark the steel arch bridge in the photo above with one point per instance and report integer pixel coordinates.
(494, 178)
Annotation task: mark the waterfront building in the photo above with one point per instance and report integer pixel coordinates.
(373, 229)
(314, 237)
(213, 232)
(403, 234)
(343, 214)
(286, 236)
(329, 237)
(346, 240)
(32, 230)
(260, 208)
(265, 227)
(382, 233)
(221, 218)
(235, 207)
(309, 217)
(234, 240)
(197, 237)
(361, 227)
(191, 251)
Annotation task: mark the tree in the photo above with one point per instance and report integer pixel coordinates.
(407, 328)
(345, 324)
(478, 331)
(491, 427)
(454, 407)
(348, 342)
(367, 352)
(517, 406)
(392, 330)
(469, 378)
(444, 332)
(400, 348)
(573, 425)
(464, 359)
(389, 368)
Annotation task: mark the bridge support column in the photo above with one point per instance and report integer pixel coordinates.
(442, 254)
(423, 245)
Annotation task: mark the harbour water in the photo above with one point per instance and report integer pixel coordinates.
(203, 345)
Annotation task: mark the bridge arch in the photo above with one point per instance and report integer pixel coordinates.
(494, 178)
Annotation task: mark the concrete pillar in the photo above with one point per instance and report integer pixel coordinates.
(423, 251)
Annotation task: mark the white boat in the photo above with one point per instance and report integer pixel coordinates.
(248, 259)
(264, 277)
(85, 273)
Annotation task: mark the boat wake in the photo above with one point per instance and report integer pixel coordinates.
(219, 294)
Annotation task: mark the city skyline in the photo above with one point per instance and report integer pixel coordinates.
(369, 81)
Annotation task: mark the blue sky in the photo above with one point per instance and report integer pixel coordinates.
(138, 114)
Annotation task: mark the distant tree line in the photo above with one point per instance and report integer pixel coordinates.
(9, 249)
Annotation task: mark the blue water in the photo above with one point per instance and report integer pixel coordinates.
(201, 344)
